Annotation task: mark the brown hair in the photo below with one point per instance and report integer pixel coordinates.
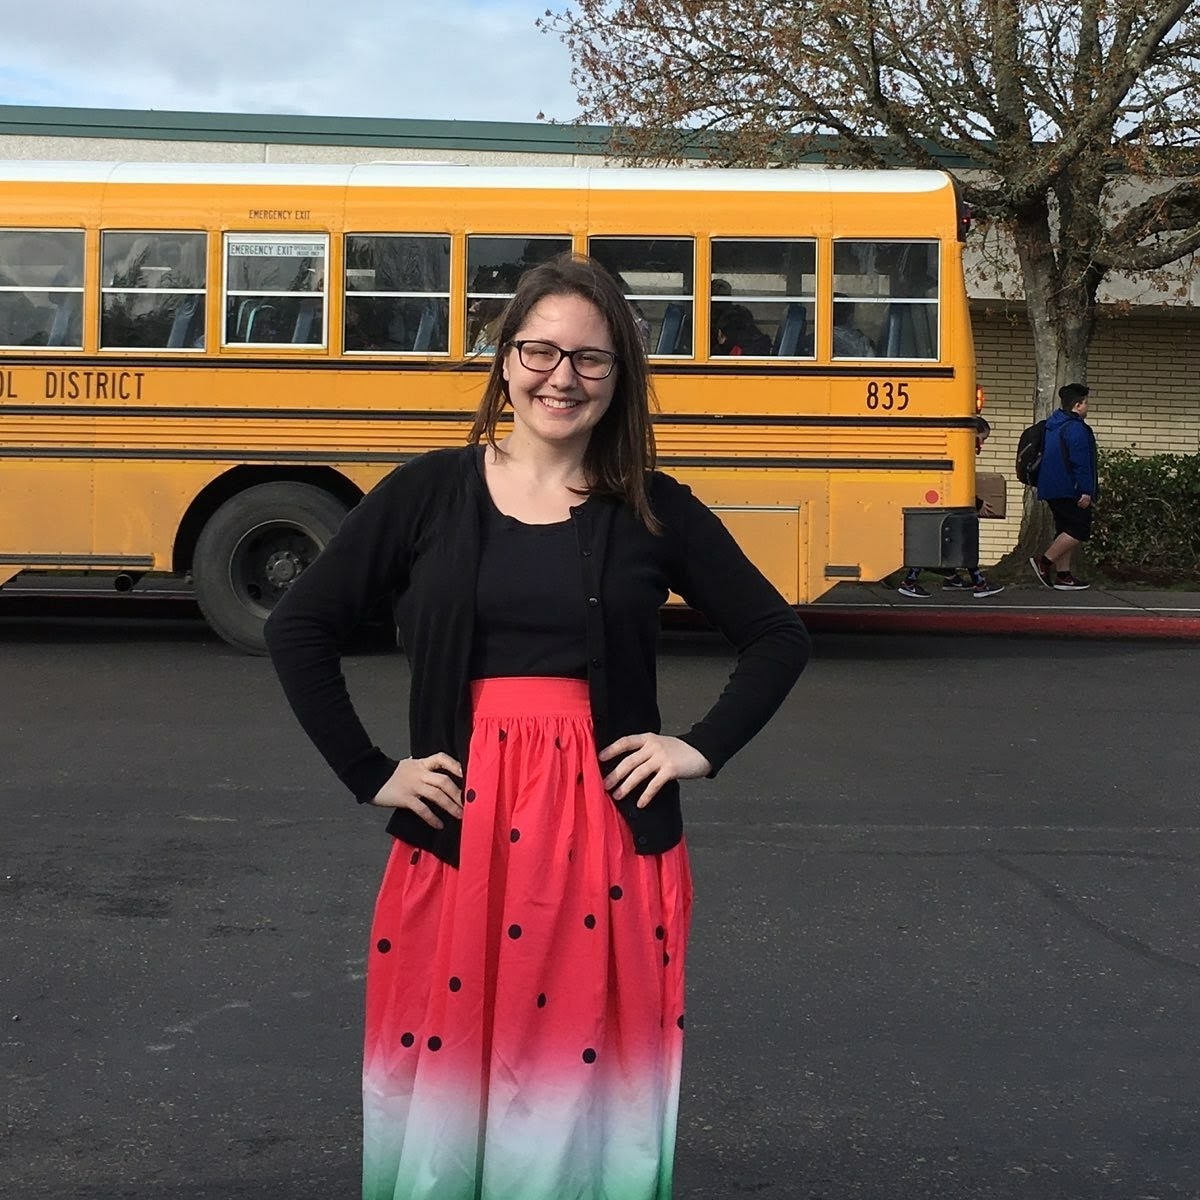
(620, 452)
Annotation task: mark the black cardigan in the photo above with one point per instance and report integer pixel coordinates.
(416, 537)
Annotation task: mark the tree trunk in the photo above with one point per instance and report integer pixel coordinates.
(1060, 308)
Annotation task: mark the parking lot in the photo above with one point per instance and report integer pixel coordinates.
(945, 940)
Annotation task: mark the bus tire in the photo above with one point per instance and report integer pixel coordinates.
(250, 551)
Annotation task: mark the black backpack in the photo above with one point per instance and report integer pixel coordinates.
(1030, 448)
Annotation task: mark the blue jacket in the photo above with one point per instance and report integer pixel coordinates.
(1073, 474)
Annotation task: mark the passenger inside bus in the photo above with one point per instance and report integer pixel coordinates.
(735, 331)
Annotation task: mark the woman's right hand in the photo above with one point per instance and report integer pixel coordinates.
(417, 780)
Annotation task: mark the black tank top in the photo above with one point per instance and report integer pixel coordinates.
(529, 603)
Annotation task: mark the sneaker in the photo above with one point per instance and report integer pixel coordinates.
(1066, 582)
(915, 590)
(956, 583)
(1043, 568)
(982, 590)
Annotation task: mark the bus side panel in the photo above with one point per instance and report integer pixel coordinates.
(46, 514)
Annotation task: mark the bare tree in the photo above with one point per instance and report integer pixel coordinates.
(1045, 111)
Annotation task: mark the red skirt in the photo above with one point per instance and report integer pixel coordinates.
(524, 1030)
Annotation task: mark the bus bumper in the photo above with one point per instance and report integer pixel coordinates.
(941, 537)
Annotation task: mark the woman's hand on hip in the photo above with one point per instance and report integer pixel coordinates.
(653, 759)
(417, 782)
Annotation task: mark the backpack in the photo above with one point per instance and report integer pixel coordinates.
(1030, 447)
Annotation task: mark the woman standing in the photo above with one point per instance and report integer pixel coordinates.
(525, 976)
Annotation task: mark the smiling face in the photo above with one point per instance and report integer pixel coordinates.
(559, 407)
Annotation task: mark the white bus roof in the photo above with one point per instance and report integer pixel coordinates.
(399, 175)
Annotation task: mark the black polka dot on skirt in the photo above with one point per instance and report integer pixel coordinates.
(666, 958)
(383, 945)
(680, 1021)
(589, 1055)
(455, 983)
(660, 932)
(407, 1039)
(579, 778)
(503, 735)
(514, 835)
(416, 854)
(615, 892)
(557, 744)
(470, 795)
(541, 1000)
(514, 932)
(434, 1043)
(589, 921)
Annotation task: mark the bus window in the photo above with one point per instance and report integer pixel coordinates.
(41, 288)
(763, 294)
(494, 264)
(152, 289)
(397, 293)
(659, 277)
(275, 288)
(885, 299)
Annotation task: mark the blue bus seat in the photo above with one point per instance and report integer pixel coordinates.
(425, 329)
(791, 330)
(672, 326)
(305, 316)
(183, 319)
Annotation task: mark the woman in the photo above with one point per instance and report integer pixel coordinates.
(525, 975)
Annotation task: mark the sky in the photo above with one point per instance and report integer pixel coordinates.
(468, 60)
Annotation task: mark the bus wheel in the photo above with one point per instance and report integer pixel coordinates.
(251, 550)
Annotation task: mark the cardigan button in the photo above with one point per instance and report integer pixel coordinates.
(593, 600)
(597, 663)
(586, 553)
(641, 839)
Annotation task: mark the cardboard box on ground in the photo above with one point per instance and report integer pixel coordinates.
(993, 490)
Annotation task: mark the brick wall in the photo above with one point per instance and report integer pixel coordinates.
(1144, 372)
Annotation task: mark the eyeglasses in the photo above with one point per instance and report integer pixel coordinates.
(544, 357)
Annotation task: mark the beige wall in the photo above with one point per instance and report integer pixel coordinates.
(99, 149)
(1144, 372)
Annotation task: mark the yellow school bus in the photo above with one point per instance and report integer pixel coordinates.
(203, 367)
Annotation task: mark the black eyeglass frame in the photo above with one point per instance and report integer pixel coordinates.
(520, 349)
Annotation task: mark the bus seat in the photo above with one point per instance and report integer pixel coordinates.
(261, 324)
(894, 333)
(791, 330)
(426, 328)
(672, 326)
(183, 320)
(305, 315)
(61, 325)
(241, 327)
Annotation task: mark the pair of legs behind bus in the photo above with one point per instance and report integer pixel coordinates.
(1072, 525)
(952, 581)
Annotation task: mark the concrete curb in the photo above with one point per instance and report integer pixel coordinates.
(1078, 623)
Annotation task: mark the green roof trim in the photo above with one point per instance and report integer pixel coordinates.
(386, 133)
(533, 137)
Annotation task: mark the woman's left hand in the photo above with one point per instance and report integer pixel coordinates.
(653, 757)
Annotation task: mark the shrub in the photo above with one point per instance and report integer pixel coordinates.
(1148, 518)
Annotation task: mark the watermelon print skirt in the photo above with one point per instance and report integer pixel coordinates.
(524, 1031)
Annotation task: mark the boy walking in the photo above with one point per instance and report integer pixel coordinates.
(1067, 482)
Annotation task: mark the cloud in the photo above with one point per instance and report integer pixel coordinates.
(454, 59)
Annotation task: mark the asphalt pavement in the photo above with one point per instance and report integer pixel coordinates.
(945, 944)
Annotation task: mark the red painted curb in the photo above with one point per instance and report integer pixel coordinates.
(1079, 623)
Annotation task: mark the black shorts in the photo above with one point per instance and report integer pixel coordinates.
(1071, 519)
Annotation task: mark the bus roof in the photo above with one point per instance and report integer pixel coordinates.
(419, 174)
